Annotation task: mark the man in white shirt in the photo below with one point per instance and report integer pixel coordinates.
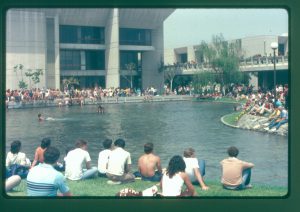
(119, 164)
(103, 158)
(75, 160)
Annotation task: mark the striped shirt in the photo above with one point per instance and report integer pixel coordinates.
(44, 180)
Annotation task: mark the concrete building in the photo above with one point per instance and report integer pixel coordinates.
(92, 45)
(257, 59)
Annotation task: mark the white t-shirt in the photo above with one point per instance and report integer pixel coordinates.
(103, 160)
(75, 160)
(117, 160)
(191, 163)
(172, 186)
(19, 158)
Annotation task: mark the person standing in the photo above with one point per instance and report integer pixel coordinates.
(44, 180)
(76, 159)
(236, 174)
(119, 164)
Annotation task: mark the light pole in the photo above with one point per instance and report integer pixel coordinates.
(274, 46)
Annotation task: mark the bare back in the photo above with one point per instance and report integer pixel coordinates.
(148, 163)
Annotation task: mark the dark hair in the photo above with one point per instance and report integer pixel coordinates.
(51, 155)
(39, 115)
(45, 143)
(107, 143)
(189, 152)
(233, 151)
(15, 146)
(148, 148)
(80, 143)
(119, 143)
(176, 164)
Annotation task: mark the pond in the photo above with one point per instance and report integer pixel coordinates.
(170, 126)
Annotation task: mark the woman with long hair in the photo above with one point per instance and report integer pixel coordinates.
(174, 179)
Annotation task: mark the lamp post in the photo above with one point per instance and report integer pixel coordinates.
(274, 46)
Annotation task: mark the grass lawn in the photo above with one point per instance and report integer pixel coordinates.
(99, 187)
(232, 118)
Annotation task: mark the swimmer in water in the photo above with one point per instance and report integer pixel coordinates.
(40, 117)
(100, 109)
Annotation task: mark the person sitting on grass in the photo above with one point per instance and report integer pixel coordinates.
(195, 169)
(236, 174)
(12, 182)
(16, 161)
(44, 180)
(172, 181)
(103, 158)
(76, 159)
(149, 165)
(119, 164)
(39, 152)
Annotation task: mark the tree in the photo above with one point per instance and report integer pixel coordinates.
(202, 79)
(130, 67)
(34, 75)
(19, 68)
(170, 72)
(223, 59)
(70, 81)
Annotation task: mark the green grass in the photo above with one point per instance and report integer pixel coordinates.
(99, 187)
(232, 118)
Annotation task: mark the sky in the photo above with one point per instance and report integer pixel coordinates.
(186, 27)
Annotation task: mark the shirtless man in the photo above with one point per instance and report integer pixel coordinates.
(149, 165)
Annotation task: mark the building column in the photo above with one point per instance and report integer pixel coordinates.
(56, 54)
(152, 61)
(112, 52)
(254, 81)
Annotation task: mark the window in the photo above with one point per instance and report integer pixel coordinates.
(135, 36)
(81, 34)
(95, 60)
(127, 57)
(70, 60)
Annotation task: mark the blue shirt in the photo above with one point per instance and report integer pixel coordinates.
(44, 180)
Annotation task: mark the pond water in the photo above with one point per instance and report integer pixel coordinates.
(170, 126)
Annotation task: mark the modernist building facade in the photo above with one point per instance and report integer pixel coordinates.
(92, 45)
(251, 48)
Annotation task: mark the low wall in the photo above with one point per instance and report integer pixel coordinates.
(107, 100)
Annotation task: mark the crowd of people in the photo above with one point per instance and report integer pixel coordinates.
(45, 176)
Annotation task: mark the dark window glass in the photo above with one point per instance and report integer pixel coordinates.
(135, 36)
(95, 60)
(127, 57)
(81, 34)
(70, 60)
(68, 34)
(281, 49)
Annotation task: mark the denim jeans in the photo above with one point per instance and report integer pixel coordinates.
(89, 173)
(155, 178)
(201, 170)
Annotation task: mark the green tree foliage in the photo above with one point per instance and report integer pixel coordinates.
(70, 81)
(19, 69)
(223, 59)
(34, 75)
(202, 79)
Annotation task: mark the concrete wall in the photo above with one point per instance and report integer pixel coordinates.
(25, 44)
(151, 61)
(258, 45)
(112, 52)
